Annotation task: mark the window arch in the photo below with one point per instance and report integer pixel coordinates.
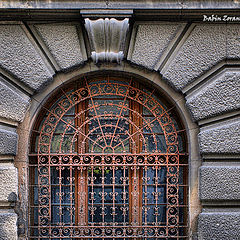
(108, 160)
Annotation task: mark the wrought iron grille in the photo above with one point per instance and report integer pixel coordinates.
(108, 161)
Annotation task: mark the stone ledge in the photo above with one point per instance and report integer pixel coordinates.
(223, 138)
(8, 225)
(8, 142)
(219, 226)
(8, 184)
(122, 4)
(219, 183)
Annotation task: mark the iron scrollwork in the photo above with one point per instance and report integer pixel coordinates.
(110, 169)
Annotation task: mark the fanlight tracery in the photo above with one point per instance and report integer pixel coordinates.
(109, 163)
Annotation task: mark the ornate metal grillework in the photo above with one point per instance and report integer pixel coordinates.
(108, 163)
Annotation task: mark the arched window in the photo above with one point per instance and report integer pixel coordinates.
(108, 160)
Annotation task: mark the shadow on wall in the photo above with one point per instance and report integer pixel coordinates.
(21, 224)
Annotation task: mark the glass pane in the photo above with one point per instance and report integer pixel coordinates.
(108, 195)
(151, 125)
(66, 126)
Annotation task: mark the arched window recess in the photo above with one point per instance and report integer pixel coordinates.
(108, 160)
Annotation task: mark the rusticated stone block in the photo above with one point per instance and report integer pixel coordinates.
(219, 226)
(8, 142)
(152, 41)
(19, 57)
(219, 183)
(219, 96)
(8, 183)
(207, 45)
(63, 43)
(221, 139)
(12, 105)
(8, 225)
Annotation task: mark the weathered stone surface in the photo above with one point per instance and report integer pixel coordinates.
(221, 139)
(219, 183)
(8, 142)
(63, 43)
(19, 57)
(204, 48)
(219, 96)
(233, 38)
(12, 105)
(219, 226)
(8, 183)
(151, 42)
(121, 4)
(8, 225)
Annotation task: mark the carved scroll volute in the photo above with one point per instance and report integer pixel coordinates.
(107, 38)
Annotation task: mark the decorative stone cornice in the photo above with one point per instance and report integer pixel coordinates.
(107, 38)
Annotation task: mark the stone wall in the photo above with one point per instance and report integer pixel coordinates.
(199, 61)
(204, 66)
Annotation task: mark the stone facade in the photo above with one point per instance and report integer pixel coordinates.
(196, 63)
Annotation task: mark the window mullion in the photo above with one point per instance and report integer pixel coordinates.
(136, 172)
(81, 196)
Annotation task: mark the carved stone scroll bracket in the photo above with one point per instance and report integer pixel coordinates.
(107, 38)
